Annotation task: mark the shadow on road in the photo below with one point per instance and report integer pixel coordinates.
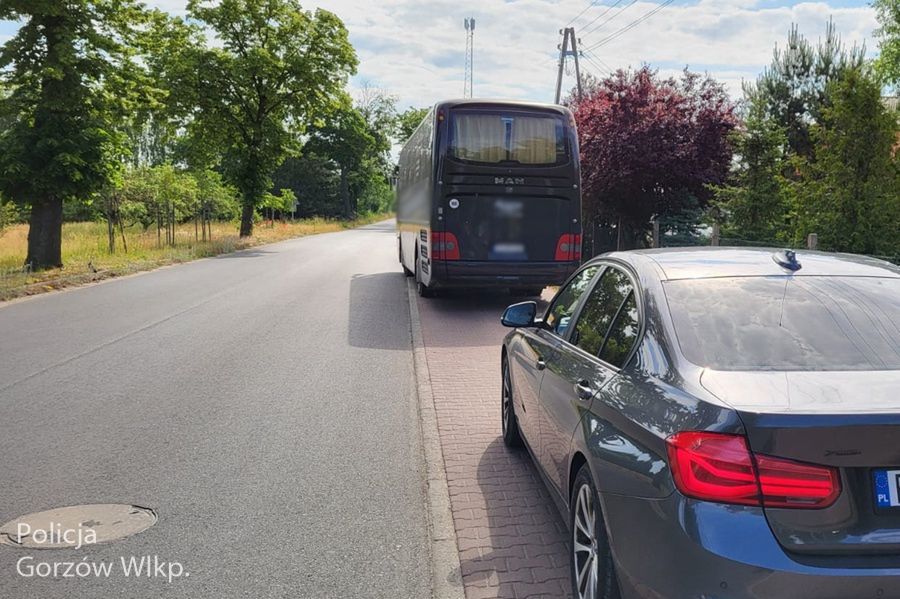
(252, 253)
(527, 533)
(475, 311)
(378, 313)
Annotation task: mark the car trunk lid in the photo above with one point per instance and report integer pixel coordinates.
(846, 420)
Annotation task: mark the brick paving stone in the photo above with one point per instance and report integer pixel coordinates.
(511, 539)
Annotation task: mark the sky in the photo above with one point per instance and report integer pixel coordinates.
(415, 49)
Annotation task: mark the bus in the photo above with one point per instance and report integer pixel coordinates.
(489, 195)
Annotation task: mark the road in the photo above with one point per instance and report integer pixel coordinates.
(261, 402)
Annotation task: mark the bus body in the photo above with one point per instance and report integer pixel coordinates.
(489, 195)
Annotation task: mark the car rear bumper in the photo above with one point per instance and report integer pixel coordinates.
(679, 548)
(460, 273)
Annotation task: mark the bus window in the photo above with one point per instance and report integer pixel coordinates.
(492, 138)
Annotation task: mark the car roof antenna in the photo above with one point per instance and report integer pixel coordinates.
(787, 259)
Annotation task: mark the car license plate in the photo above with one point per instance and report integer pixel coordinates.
(887, 488)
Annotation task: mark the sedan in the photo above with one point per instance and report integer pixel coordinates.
(717, 423)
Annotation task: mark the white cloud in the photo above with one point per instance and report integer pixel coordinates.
(415, 48)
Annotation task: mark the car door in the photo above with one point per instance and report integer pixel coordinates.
(536, 343)
(583, 362)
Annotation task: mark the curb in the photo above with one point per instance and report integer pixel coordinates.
(446, 579)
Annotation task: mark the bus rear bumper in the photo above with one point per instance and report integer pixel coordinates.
(497, 274)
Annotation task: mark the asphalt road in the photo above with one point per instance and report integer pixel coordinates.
(261, 402)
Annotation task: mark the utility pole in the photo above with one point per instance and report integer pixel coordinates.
(469, 77)
(569, 47)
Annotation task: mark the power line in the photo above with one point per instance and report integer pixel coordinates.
(609, 8)
(599, 68)
(586, 8)
(617, 13)
(630, 26)
(593, 59)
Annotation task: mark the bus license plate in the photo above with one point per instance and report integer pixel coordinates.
(887, 488)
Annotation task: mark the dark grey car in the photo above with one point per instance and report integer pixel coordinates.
(717, 423)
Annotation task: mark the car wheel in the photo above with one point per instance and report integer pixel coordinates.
(593, 570)
(406, 271)
(421, 288)
(423, 291)
(511, 434)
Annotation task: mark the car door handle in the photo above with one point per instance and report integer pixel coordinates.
(583, 390)
(540, 364)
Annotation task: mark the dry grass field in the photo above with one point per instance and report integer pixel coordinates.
(86, 256)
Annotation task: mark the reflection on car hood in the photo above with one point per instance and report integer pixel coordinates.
(806, 392)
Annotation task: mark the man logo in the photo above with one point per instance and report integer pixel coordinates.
(509, 180)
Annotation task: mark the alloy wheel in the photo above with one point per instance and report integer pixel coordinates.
(506, 398)
(584, 545)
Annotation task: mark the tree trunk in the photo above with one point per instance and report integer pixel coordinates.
(45, 234)
(122, 231)
(345, 194)
(247, 218)
(111, 229)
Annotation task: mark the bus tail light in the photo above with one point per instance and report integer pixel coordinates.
(444, 246)
(719, 467)
(568, 248)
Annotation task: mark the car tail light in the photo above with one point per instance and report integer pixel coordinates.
(721, 468)
(444, 246)
(568, 248)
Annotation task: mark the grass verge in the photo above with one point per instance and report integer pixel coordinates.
(87, 259)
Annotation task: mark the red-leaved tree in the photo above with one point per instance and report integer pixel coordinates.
(651, 146)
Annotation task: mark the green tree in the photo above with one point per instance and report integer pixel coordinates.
(278, 69)
(792, 90)
(156, 130)
(888, 62)
(8, 215)
(849, 192)
(754, 203)
(346, 139)
(314, 181)
(408, 121)
(72, 77)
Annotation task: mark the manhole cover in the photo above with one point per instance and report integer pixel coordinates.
(76, 526)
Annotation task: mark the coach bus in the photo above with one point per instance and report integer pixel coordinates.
(489, 195)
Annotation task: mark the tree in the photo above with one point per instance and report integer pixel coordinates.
(408, 121)
(888, 62)
(792, 90)
(849, 191)
(347, 140)
(8, 215)
(278, 69)
(755, 201)
(651, 146)
(72, 76)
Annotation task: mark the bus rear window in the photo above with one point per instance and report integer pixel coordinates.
(497, 137)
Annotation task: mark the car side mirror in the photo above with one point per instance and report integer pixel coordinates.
(519, 315)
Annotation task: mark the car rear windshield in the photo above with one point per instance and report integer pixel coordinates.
(494, 137)
(788, 323)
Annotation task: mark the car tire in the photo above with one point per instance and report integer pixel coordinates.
(593, 570)
(512, 436)
(406, 271)
(423, 290)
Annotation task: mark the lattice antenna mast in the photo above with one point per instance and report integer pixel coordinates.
(469, 76)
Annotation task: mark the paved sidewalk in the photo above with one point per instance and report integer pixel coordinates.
(512, 541)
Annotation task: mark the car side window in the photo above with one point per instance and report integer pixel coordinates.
(609, 296)
(622, 334)
(560, 313)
